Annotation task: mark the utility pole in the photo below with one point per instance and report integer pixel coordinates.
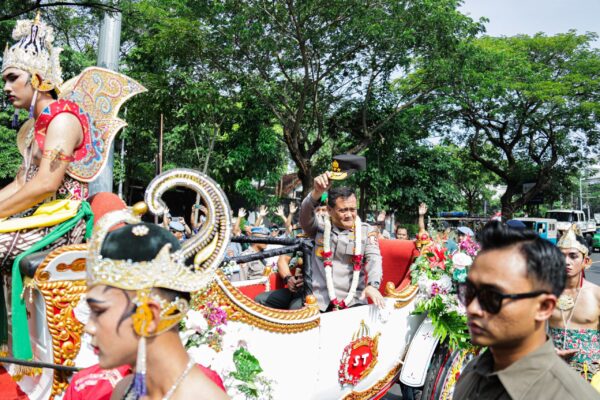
(108, 57)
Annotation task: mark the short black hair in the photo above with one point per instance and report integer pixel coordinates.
(339, 192)
(545, 262)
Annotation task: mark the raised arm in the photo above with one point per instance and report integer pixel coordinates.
(63, 135)
(290, 218)
(237, 231)
(307, 209)
(422, 213)
(262, 212)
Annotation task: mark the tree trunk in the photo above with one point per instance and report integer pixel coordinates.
(507, 203)
(306, 177)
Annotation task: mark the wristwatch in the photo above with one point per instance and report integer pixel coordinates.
(375, 284)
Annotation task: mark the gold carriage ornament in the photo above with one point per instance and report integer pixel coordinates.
(359, 357)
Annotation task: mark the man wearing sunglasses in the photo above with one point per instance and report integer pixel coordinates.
(510, 294)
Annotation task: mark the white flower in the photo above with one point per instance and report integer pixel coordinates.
(424, 284)
(195, 320)
(461, 260)
(204, 355)
(445, 283)
(184, 335)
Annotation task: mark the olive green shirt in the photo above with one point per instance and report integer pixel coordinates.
(542, 374)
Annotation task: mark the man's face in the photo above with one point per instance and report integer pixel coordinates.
(343, 213)
(111, 327)
(17, 87)
(461, 237)
(576, 261)
(321, 210)
(504, 270)
(402, 234)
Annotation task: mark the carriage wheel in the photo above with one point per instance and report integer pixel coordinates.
(444, 369)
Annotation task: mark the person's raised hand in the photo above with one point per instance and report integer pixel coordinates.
(422, 209)
(381, 216)
(263, 211)
(293, 208)
(375, 295)
(321, 184)
(280, 213)
(241, 213)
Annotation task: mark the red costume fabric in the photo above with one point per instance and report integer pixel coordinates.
(50, 112)
(95, 383)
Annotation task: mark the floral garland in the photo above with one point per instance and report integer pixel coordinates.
(328, 264)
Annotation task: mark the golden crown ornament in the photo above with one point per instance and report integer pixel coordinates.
(569, 240)
(33, 52)
(167, 270)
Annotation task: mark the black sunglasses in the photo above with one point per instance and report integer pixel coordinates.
(490, 299)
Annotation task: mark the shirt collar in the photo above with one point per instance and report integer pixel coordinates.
(518, 377)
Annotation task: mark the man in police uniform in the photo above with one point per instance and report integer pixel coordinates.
(341, 204)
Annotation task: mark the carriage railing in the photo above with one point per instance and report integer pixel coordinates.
(289, 246)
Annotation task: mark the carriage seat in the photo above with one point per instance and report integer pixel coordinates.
(397, 257)
(101, 203)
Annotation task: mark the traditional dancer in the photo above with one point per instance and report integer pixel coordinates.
(139, 290)
(574, 325)
(64, 146)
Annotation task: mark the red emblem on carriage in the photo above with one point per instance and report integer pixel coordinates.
(359, 357)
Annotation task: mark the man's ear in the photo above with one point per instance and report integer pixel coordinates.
(546, 307)
(587, 262)
(155, 310)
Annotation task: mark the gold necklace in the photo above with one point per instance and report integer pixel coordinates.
(565, 301)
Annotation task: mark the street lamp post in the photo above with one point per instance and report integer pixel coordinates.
(108, 57)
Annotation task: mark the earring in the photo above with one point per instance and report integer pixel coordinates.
(141, 321)
(33, 101)
(15, 119)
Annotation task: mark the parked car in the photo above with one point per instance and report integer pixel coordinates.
(596, 241)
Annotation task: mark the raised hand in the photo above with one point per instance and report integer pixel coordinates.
(293, 208)
(280, 212)
(422, 209)
(241, 213)
(321, 185)
(381, 216)
(263, 211)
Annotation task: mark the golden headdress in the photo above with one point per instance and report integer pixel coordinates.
(569, 240)
(166, 269)
(33, 52)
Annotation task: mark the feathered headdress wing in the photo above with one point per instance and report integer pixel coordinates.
(100, 93)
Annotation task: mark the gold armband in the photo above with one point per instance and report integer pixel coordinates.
(57, 155)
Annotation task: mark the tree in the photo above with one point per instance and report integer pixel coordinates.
(12, 9)
(208, 124)
(306, 59)
(526, 107)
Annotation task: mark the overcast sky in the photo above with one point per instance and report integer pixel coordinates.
(511, 17)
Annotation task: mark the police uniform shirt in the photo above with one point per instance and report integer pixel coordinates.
(342, 247)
